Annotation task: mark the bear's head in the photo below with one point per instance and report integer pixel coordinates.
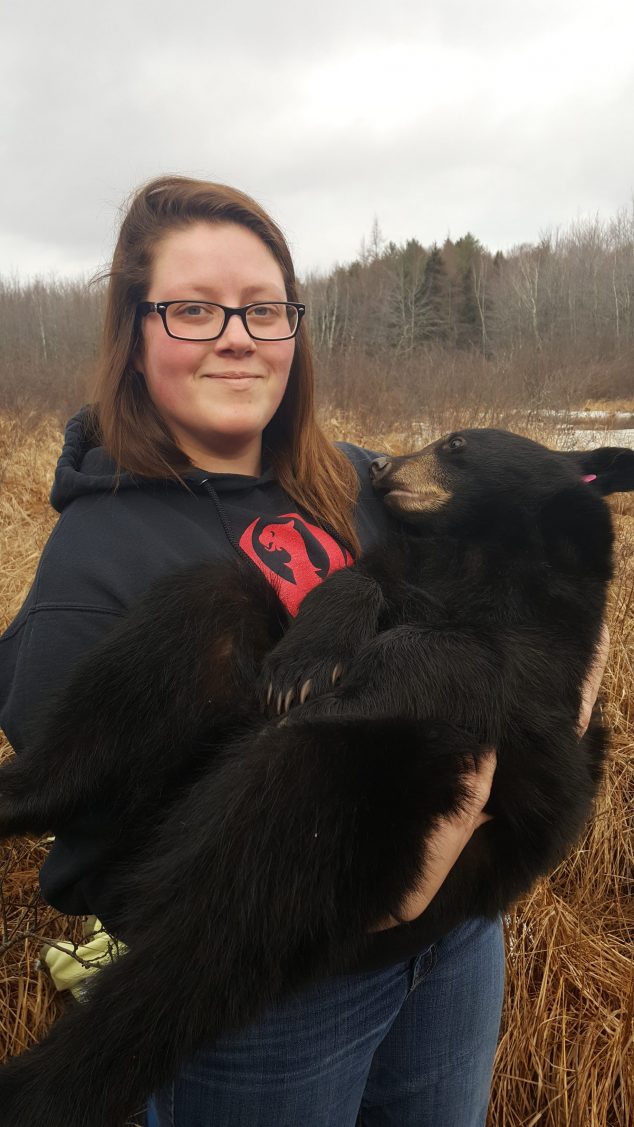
(511, 496)
(475, 468)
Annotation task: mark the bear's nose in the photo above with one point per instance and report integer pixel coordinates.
(379, 467)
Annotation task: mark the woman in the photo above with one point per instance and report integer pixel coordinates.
(203, 443)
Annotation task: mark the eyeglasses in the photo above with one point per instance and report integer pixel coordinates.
(206, 320)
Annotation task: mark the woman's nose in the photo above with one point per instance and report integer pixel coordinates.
(235, 335)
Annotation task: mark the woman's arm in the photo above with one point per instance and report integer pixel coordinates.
(592, 683)
(452, 834)
(446, 843)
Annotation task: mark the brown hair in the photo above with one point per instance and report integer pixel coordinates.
(309, 468)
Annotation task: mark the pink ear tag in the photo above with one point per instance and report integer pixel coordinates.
(589, 477)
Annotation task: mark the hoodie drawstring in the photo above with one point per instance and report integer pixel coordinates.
(224, 519)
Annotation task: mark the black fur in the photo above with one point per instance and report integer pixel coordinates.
(274, 847)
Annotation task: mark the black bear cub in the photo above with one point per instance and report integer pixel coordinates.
(257, 853)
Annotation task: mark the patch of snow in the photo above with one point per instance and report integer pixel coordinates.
(575, 439)
(567, 435)
(572, 416)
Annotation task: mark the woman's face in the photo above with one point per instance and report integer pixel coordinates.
(215, 396)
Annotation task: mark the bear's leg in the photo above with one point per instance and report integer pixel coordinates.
(285, 859)
(334, 621)
(173, 681)
(421, 673)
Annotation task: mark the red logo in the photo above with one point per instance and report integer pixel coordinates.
(295, 556)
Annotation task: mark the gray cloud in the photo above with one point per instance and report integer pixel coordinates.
(498, 118)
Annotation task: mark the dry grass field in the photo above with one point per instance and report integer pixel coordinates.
(566, 1054)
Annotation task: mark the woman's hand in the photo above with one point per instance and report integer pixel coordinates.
(447, 841)
(592, 683)
(452, 834)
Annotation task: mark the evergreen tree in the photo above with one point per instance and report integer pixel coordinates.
(433, 300)
(470, 261)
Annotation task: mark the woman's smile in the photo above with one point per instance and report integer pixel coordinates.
(232, 376)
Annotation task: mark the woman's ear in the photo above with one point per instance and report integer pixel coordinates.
(610, 469)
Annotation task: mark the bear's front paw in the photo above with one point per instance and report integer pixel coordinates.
(286, 681)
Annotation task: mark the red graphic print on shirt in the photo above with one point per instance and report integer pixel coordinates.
(293, 554)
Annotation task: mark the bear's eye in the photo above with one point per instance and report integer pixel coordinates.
(455, 443)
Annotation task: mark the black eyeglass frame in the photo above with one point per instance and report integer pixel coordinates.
(161, 307)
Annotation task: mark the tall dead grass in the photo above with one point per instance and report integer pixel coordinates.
(566, 1053)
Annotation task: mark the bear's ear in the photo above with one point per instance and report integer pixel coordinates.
(610, 469)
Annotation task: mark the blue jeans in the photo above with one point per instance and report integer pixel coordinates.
(408, 1046)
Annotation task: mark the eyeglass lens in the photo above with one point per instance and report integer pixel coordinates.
(199, 320)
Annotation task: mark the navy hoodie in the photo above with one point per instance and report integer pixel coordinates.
(117, 535)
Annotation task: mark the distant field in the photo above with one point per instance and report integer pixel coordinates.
(566, 1056)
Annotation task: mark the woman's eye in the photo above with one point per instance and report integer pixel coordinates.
(186, 312)
(262, 311)
(193, 320)
(191, 310)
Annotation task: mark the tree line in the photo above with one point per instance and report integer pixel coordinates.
(401, 328)
(546, 324)
(572, 287)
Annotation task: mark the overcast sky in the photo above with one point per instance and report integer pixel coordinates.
(497, 117)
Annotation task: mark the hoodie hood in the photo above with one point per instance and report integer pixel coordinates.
(84, 467)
